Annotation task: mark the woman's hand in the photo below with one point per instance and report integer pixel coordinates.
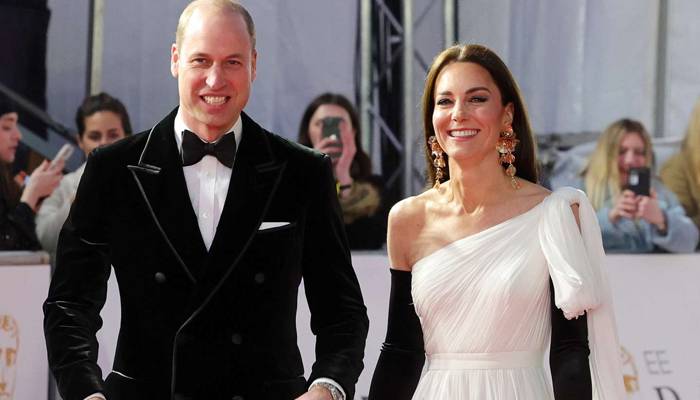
(329, 145)
(42, 183)
(343, 163)
(648, 209)
(625, 206)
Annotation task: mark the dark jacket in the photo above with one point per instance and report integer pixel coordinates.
(198, 324)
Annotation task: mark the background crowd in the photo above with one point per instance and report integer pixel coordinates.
(34, 206)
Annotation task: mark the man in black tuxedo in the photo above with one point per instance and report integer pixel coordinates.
(211, 223)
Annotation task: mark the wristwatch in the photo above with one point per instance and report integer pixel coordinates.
(335, 393)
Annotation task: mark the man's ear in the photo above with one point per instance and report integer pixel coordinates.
(253, 65)
(174, 60)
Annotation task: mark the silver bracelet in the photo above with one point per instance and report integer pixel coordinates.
(335, 393)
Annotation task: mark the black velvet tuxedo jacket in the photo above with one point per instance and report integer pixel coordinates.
(198, 324)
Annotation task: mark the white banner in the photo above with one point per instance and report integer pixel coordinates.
(24, 373)
(657, 306)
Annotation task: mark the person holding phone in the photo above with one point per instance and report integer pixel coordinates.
(18, 204)
(330, 125)
(636, 213)
(101, 120)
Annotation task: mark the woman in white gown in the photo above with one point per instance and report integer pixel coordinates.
(487, 266)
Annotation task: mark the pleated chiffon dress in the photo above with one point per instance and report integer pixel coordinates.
(484, 305)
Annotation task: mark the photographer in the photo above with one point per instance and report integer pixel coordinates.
(636, 213)
(18, 202)
(330, 125)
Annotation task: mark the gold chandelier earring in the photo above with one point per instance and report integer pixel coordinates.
(438, 160)
(506, 146)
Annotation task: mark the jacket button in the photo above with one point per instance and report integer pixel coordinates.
(236, 339)
(259, 278)
(160, 277)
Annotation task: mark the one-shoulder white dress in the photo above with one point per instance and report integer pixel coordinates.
(484, 305)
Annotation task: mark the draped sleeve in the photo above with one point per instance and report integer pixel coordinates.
(575, 258)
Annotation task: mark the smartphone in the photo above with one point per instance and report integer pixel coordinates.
(331, 128)
(639, 180)
(63, 154)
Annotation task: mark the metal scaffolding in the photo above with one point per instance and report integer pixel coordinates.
(93, 84)
(392, 45)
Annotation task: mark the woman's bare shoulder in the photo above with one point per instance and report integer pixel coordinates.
(526, 197)
(533, 190)
(407, 210)
(406, 220)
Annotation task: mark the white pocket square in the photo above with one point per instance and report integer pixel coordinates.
(270, 225)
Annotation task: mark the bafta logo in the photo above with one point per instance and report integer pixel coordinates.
(9, 346)
(629, 373)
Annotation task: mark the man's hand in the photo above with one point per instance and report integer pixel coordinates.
(316, 393)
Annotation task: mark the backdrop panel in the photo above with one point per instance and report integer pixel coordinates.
(23, 364)
(304, 48)
(580, 64)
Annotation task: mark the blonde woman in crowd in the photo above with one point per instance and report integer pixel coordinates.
(682, 172)
(630, 222)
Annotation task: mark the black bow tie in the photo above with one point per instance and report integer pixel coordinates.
(194, 148)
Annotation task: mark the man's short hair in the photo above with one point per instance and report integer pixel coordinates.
(223, 5)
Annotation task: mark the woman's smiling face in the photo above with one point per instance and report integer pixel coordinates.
(469, 114)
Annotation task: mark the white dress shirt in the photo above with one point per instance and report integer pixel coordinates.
(207, 182)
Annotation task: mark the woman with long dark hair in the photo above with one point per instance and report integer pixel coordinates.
(487, 265)
(359, 192)
(18, 205)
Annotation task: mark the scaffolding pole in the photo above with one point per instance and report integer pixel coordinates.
(660, 89)
(408, 125)
(365, 73)
(95, 47)
(449, 10)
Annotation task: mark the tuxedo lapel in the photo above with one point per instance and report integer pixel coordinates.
(254, 180)
(161, 181)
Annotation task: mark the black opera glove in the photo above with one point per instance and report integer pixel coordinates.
(403, 355)
(568, 355)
